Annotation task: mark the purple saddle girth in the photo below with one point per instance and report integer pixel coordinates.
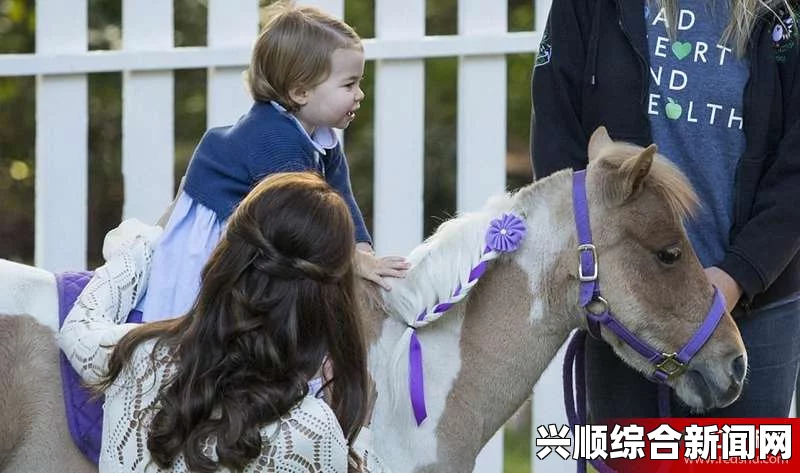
(84, 413)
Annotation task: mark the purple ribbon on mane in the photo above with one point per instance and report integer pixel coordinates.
(598, 313)
(504, 235)
(416, 378)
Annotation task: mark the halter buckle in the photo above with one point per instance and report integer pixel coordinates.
(671, 365)
(593, 251)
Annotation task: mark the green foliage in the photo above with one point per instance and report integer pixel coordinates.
(17, 135)
(17, 26)
(17, 95)
(517, 444)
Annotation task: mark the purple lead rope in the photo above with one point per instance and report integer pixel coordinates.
(576, 408)
(575, 358)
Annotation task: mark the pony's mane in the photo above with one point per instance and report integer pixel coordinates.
(664, 178)
(444, 259)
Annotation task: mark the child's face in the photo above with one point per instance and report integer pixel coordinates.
(334, 102)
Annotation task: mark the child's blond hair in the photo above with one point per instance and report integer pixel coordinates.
(294, 51)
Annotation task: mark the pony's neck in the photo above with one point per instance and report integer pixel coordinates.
(549, 257)
(482, 358)
(508, 338)
(521, 313)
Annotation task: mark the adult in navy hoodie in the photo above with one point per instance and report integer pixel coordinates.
(728, 114)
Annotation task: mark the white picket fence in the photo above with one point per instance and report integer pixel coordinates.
(148, 60)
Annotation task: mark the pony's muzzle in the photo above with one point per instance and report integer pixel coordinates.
(739, 369)
(715, 387)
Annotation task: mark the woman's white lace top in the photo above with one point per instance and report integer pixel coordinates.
(308, 438)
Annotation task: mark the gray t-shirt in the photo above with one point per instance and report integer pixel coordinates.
(695, 109)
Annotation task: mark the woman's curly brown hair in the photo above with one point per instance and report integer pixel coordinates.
(276, 298)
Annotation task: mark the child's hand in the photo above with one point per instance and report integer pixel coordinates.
(374, 268)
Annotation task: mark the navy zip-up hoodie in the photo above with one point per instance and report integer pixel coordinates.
(595, 71)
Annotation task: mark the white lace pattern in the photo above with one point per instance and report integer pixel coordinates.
(306, 439)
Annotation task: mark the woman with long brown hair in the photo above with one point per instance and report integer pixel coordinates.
(225, 387)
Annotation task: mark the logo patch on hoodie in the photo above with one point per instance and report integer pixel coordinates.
(784, 34)
(545, 49)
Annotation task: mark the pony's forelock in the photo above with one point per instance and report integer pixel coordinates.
(664, 178)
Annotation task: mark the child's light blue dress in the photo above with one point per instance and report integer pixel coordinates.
(191, 234)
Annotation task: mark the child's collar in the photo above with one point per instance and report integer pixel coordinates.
(323, 138)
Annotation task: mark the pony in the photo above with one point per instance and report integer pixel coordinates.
(483, 356)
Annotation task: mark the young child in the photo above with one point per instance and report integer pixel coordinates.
(304, 76)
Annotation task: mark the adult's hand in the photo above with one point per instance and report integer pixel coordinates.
(729, 288)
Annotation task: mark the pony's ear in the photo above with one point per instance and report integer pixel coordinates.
(598, 141)
(634, 170)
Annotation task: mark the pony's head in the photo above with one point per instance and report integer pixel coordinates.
(649, 274)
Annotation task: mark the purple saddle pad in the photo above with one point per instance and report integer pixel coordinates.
(84, 414)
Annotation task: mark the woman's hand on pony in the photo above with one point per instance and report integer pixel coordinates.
(730, 289)
(374, 268)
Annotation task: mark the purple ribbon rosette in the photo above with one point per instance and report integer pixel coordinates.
(505, 233)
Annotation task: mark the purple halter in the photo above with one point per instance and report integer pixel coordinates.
(667, 365)
(597, 310)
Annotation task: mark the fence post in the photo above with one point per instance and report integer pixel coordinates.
(62, 120)
(482, 102)
(335, 8)
(548, 405)
(148, 130)
(399, 131)
(482, 107)
(231, 23)
(541, 12)
(548, 408)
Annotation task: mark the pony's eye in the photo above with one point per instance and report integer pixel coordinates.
(669, 255)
